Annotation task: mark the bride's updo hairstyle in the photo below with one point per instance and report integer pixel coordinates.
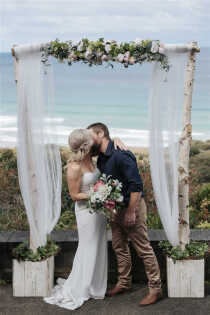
(80, 143)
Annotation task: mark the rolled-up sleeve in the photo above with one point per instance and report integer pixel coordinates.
(128, 168)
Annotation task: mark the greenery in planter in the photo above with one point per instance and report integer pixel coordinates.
(23, 252)
(193, 250)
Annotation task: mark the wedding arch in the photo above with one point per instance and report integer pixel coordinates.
(170, 100)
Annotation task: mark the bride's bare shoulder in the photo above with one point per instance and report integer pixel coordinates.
(74, 169)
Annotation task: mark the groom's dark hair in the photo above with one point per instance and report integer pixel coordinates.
(97, 127)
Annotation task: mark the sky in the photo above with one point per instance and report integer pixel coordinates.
(40, 21)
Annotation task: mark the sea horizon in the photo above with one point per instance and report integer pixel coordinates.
(117, 97)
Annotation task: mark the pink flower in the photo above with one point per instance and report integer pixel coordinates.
(120, 57)
(132, 60)
(97, 185)
(161, 48)
(104, 58)
(110, 204)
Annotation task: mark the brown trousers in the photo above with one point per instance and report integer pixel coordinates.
(138, 236)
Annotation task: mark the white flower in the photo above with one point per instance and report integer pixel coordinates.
(155, 47)
(138, 41)
(119, 185)
(107, 48)
(88, 53)
(80, 47)
(102, 193)
(120, 57)
(161, 48)
(104, 58)
(127, 54)
(120, 199)
(75, 43)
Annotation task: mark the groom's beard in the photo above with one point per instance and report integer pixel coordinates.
(95, 149)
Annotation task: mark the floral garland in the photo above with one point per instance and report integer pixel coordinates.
(97, 52)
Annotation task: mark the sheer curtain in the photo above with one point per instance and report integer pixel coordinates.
(38, 158)
(165, 116)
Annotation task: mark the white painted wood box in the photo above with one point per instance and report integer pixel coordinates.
(185, 278)
(33, 278)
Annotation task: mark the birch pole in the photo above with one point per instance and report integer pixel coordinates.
(185, 142)
(30, 169)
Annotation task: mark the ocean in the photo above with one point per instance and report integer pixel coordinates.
(115, 96)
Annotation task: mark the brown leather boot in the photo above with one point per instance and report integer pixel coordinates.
(151, 298)
(117, 290)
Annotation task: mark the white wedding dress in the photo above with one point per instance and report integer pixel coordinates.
(88, 278)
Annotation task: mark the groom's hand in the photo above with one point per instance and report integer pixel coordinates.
(130, 218)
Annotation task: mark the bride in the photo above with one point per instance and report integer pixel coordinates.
(88, 278)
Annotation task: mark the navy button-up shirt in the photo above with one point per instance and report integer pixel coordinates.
(121, 165)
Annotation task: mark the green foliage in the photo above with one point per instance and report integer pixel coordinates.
(201, 145)
(8, 159)
(202, 195)
(23, 252)
(153, 220)
(194, 150)
(204, 192)
(203, 225)
(12, 210)
(201, 162)
(67, 220)
(193, 250)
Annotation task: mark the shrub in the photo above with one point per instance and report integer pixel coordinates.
(203, 225)
(201, 163)
(12, 210)
(153, 220)
(203, 195)
(194, 150)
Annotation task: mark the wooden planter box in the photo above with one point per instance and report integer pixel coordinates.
(185, 278)
(33, 278)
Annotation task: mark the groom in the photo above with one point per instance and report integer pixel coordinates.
(130, 222)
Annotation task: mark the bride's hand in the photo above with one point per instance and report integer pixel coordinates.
(119, 144)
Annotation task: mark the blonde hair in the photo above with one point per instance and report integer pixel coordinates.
(80, 143)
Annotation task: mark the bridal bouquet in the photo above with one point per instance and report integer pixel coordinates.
(105, 196)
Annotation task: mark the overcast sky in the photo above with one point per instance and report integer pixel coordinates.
(171, 21)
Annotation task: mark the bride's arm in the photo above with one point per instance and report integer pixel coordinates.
(119, 144)
(74, 177)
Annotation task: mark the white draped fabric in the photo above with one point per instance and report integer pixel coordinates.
(165, 115)
(39, 162)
